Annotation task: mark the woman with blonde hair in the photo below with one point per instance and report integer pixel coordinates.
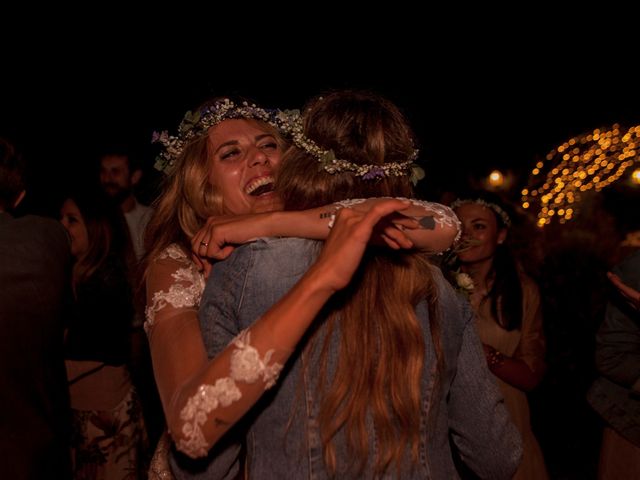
(374, 364)
(223, 162)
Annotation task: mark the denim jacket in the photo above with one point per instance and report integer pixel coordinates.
(281, 432)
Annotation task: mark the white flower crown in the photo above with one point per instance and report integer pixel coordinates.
(196, 124)
(288, 122)
(479, 201)
(331, 164)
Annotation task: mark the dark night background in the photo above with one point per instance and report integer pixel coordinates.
(487, 105)
(497, 100)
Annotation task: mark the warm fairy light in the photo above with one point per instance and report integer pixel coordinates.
(589, 162)
(635, 176)
(496, 179)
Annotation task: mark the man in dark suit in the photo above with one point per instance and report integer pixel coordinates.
(34, 403)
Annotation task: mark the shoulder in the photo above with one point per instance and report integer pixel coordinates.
(529, 286)
(172, 252)
(174, 261)
(629, 268)
(39, 234)
(263, 266)
(36, 223)
(453, 306)
(139, 212)
(273, 254)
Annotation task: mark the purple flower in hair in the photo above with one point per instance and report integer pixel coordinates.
(375, 172)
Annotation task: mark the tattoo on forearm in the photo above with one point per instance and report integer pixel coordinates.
(428, 223)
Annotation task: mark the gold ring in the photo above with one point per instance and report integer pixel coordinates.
(204, 243)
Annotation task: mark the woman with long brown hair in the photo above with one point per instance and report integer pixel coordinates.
(375, 364)
(223, 162)
(109, 440)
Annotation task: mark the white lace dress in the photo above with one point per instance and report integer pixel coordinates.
(174, 289)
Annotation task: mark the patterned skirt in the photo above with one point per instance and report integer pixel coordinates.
(110, 444)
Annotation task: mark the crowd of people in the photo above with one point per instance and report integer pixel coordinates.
(286, 307)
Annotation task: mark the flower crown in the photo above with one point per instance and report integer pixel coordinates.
(196, 124)
(331, 164)
(479, 201)
(288, 122)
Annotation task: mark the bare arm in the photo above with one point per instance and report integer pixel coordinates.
(428, 226)
(512, 370)
(526, 368)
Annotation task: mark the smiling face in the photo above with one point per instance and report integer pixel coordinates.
(115, 177)
(480, 225)
(244, 159)
(72, 220)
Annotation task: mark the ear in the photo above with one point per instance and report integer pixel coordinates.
(502, 236)
(136, 176)
(19, 199)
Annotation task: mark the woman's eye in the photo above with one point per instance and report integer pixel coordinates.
(230, 154)
(269, 146)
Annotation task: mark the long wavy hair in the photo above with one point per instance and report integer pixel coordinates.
(381, 356)
(107, 231)
(504, 276)
(187, 197)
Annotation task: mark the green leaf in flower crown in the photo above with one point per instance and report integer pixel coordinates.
(189, 121)
(327, 158)
(417, 174)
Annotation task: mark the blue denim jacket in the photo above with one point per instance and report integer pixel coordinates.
(281, 431)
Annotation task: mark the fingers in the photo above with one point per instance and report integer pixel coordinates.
(198, 261)
(402, 221)
(200, 241)
(397, 236)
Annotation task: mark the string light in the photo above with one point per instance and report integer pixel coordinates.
(496, 179)
(588, 162)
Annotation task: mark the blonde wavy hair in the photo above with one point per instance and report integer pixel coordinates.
(381, 356)
(188, 198)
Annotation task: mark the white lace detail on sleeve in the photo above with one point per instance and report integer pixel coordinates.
(343, 204)
(443, 215)
(185, 291)
(246, 366)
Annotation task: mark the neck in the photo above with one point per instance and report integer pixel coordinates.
(128, 204)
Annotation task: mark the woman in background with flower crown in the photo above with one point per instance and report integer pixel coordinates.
(378, 383)
(508, 316)
(223, 162)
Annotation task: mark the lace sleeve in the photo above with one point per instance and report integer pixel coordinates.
(174, 284)
(190, 385)
(174, 287)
